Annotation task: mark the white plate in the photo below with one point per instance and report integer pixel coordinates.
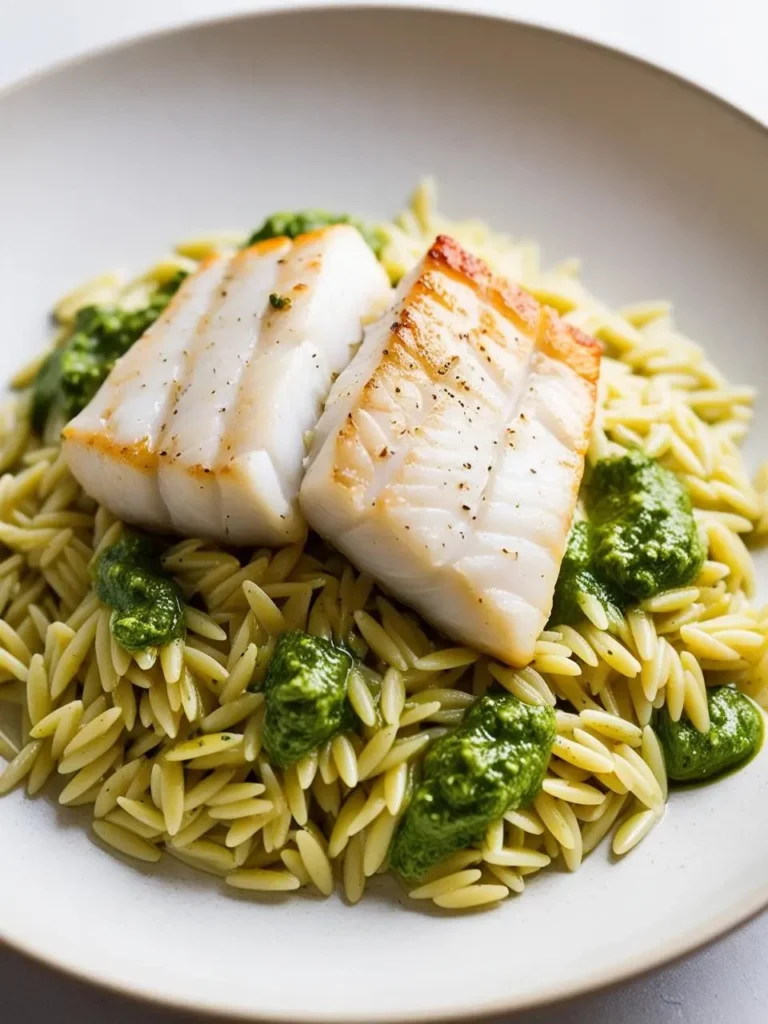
(659, 187)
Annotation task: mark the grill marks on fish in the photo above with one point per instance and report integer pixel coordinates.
(448, 459)
(200, 427)
(112, 446)
(224, 344)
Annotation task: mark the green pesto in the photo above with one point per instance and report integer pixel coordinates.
(147, 605)
(735, 735)
(277, 301)
(644, 533)
(493, 762)
(300, 222)
(306, 696)
(74, 372)
(578, 577)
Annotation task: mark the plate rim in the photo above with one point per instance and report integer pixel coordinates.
(275, 8)
(691, 941)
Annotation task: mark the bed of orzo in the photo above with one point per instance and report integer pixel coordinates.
(164, 744)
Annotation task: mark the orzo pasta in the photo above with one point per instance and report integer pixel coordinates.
(170, 746)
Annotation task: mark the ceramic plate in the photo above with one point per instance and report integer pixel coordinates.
(660, 188)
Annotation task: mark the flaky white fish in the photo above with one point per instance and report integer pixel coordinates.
(448, 459)
(199, 429)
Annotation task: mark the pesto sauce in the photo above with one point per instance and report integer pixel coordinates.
(300, 222)
(73, 373)
(645, 536)
(735, 735)
(577, 577)
(493, 762)
(640, 539)
(306, 696)
(147, 605)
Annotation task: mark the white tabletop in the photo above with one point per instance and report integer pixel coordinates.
(717, 44)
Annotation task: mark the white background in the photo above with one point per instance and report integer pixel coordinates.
(720, 45)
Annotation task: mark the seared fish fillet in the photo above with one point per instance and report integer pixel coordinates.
(448, 459)
(199, 428)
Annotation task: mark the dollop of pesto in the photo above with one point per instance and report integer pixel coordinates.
(74, 372)
(493, 762)
(577, 576)
(306, 696)
(300, 222)
(147, 605)
(735, 735)
(645, 536)
(639, 539)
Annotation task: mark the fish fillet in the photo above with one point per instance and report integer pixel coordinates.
(199, 429)
(448, 459)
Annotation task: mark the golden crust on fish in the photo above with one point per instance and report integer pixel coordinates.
(448, 459)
